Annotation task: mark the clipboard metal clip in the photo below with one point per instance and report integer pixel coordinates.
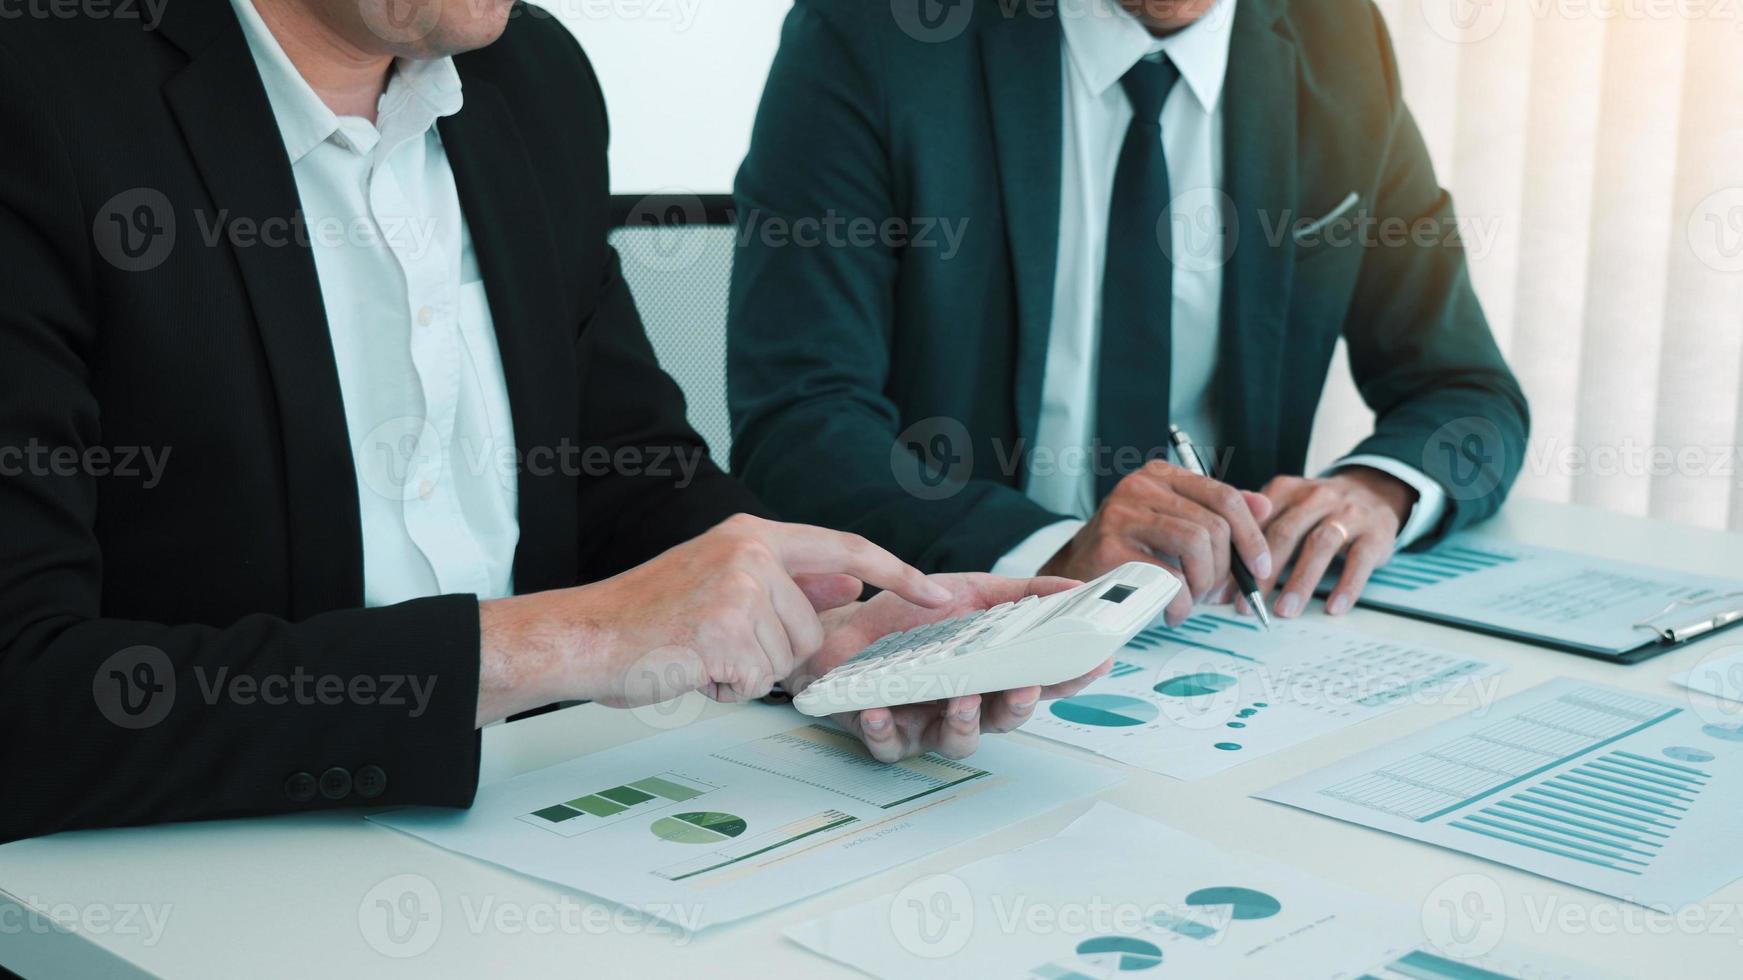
(1682, 634)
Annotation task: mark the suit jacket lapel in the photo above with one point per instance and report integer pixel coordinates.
(511, 236)
(1022, 62)
(1260, 149)
(228, 124)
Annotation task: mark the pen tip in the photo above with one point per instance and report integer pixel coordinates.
(1259, 610)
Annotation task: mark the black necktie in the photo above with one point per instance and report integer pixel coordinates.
(1137, 289)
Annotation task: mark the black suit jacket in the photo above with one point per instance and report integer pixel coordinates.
(129, 607)
(864, 376)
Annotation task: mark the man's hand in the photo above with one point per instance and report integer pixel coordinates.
(1166, 515)
(1355, 513)
(728, 614)
(951, 728)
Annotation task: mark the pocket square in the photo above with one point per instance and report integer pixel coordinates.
(1349, 201)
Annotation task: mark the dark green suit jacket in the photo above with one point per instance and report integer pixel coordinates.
(890, 384)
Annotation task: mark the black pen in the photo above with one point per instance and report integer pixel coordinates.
(1189, 458)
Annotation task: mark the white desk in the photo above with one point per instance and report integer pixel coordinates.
(280, 897)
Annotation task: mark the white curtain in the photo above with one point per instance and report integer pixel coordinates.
(1594, 150)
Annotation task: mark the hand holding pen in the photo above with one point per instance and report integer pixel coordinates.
(1189, 458)
(1169, 515)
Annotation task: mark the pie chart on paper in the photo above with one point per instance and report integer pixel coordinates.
(1727, 733)
(1120, 953)
(698, 828)
(1245, 903)
(1104, 710)
(1195, 685)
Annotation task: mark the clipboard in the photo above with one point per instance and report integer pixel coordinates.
(1664, 639)
(1615, 611)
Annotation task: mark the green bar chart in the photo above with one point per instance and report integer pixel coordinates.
(603, 807)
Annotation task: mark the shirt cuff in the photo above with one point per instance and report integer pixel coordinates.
(1026, 559)
(1430, 504)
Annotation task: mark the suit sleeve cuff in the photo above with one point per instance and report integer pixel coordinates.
(1430, 505)
(1026, 558)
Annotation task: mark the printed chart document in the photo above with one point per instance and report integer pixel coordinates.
(1549, 597)
(740, 814)
(1622, 794)
(1217, 690)
(1111, 895)
(1505, 962)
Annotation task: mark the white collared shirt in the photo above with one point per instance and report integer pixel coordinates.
(1101, 43)
(426, 403)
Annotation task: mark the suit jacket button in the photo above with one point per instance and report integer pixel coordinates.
(336, 783)
(371, 782)
(300, 787)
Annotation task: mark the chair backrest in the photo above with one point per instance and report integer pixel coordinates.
(677, 259)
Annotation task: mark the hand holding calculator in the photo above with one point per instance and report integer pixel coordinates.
(1036, 641)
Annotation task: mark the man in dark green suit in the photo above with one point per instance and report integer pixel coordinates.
(991, 250)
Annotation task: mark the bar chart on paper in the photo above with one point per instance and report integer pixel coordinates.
(1195, 699)
(747, 810)
(1622, 794)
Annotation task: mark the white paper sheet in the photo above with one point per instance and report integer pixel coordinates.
(1113, 894)
(740, 814)
(1484, 581)
(1626, 795)
(1117, 894)
(1196, 699)
(1720, 673)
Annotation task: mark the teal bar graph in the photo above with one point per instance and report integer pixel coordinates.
(1448, 562)
(1616, 811)
(1423, 965)
(1199, 632)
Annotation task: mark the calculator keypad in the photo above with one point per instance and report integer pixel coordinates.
(931, 643)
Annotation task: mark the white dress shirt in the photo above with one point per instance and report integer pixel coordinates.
(426, 404)
(1101, 43)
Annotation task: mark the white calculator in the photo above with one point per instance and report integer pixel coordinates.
(1039, 640)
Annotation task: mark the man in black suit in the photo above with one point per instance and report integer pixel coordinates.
(331, 434)
(991, 250)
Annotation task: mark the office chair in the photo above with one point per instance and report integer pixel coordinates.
(677, 259)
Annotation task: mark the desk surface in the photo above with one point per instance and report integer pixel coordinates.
(280, 896)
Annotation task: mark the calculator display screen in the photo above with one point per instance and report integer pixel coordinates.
(1118, 593)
